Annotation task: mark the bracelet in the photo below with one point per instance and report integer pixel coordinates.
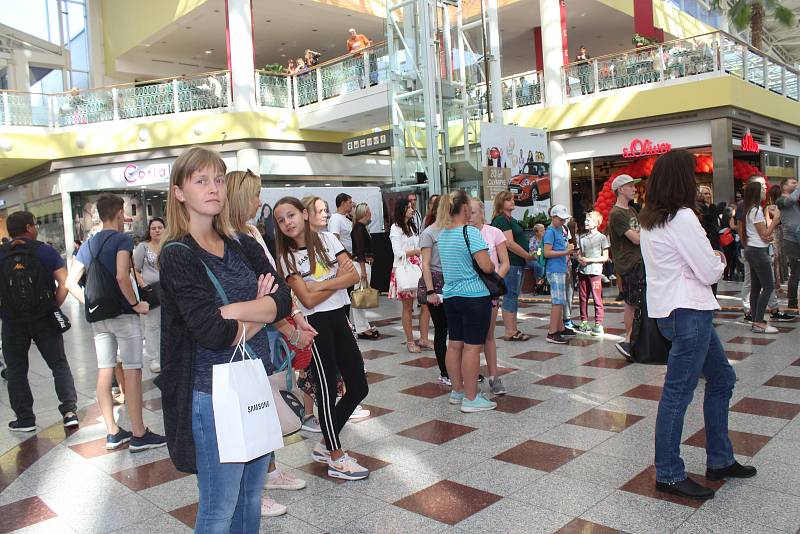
(295, 337)
(295, 312)
(430, 292)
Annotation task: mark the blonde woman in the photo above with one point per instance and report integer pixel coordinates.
(243, 194)
(362, 259)
(318, 213)
(198, 333)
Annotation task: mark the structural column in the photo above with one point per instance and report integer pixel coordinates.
(20, 72)
(248, 158)
(241, 53)
(494, 63)
(552, 52)
(722, 153)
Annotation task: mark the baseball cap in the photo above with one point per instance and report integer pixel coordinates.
(559, 211)
(623, 179)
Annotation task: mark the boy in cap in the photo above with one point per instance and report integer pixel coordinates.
(556, 252)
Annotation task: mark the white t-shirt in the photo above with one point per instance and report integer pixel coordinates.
(342, 226)
(321, 272)
(753, 239)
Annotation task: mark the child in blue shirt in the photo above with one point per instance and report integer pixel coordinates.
(556, 252)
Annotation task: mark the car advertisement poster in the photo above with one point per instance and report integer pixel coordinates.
(516, 159)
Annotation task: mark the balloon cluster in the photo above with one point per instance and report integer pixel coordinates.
(641, 169)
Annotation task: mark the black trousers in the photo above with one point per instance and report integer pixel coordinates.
(334, 349)
(439, 336)
(17, 337)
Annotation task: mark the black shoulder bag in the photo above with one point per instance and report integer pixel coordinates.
(493, 281)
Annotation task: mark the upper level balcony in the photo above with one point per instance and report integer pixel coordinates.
(350, 93)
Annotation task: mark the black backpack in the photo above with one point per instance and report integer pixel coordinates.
(101, 293)
(25, 291)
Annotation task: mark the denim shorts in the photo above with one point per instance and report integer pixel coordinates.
(123, 332)
(558, 288)
(468, 318)
(513, 285)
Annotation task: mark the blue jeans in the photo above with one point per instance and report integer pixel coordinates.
(695, 349)
(513, 285)
(230, 493)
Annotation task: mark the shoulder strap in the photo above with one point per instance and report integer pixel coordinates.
(282, 347)
(466, 238)
(93, 256)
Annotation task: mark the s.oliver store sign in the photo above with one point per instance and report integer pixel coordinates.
(645, 147)
(134, 173)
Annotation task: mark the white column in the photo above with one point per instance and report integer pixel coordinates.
(69, 224)
(97, 65)
(247, 158)
(550, 14)
(242, 64)
(20, 73)
(559, 173)
(494, 62)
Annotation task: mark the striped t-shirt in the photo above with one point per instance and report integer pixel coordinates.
(460, 278)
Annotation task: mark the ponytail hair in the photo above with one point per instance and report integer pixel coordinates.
(451, 205)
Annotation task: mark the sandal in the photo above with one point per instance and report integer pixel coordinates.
(412, 347)
(366, 335)
(426, 345)
(518, 336)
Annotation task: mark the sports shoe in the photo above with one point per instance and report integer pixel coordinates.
(311, 424)
(270, 508)
(70, 420)
(556, 338)
(569, 325)
(597, 330)
(456, 397)
(320, 454)
(359, 413)
(624, 348)
(19, 426)
(445, 381)
(115, 441)
(281, 480)
(478, 404)
(496, 386)
(781, 317)
(481, 378)
(568, 333)
(769, 329)
(346, 468)
(150, 440)
(584, 328)
(155, 366)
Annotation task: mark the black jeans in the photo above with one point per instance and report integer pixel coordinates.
(17, 336)
(761, 282)
(439, 336)
(792, 251)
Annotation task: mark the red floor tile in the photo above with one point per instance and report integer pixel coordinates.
(645, 484)
(149, 475)
(94, 448)
(644, 391)
(768, 408)
(385, 322)
(783, 381)
(538, 455)
(512, 404)
(374, 411)
(152, 404)
(582, 342)
(581, 526)
(797, 362)
(24, 513)
(16, 460)
(429, 390)
(737, 355)
(564, 381)
(501, 371)
(742, 340)
(614, 331)
(743, 442)
(436, 432)
(374, 378)
(537, 355)
(321, 470)
(608, 363)
(186, 515)
(425, 362)
(605, 420)
(374, 354)
(448, 502)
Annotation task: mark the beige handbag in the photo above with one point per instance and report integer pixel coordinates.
(364, 298)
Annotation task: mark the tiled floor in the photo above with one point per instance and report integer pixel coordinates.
(569, 449)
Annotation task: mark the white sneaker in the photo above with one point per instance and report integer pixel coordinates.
(321, 454)
(359, 413)
(445, 381)
(270, 508)
(281, 480)
(768, 330)
(155, 366)
(347, 468)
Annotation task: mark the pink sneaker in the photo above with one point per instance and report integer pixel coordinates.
(270, 508)
(281, 480)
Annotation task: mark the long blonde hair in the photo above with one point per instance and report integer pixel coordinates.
(499, 200)
(450, 205)
(241, 187)
(193, 160)
(481, 208)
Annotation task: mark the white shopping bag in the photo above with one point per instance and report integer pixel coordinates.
(244, 409)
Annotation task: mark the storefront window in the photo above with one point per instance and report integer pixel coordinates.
(779, 166)
(50, 218)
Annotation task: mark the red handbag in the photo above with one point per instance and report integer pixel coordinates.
(302, 357)
(725, 237)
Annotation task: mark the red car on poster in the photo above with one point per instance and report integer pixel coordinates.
(532, 183)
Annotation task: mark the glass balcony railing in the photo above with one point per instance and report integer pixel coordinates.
(710, 54)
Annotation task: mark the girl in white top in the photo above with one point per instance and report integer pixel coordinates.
(145, 267)
(681, 267)
(404, 236)
(498, 253)
(319, 270)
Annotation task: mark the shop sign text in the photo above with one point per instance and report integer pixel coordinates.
(158, 172)
(646, 147)
(749, 144)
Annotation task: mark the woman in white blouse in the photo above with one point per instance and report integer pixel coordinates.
(681, 267)
(404, 236)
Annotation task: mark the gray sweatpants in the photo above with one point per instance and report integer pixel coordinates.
(745, 295)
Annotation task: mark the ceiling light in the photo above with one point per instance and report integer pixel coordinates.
(283, 55)
(327, 185)
(209, 50)
(287, 185)
(573, 169)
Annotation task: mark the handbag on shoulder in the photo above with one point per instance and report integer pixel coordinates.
(493, 281)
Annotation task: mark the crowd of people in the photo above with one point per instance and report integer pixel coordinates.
(310, 59)
(207, 284)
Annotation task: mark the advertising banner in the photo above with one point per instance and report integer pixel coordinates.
(516, 159)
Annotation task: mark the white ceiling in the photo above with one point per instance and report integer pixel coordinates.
(788, 39)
